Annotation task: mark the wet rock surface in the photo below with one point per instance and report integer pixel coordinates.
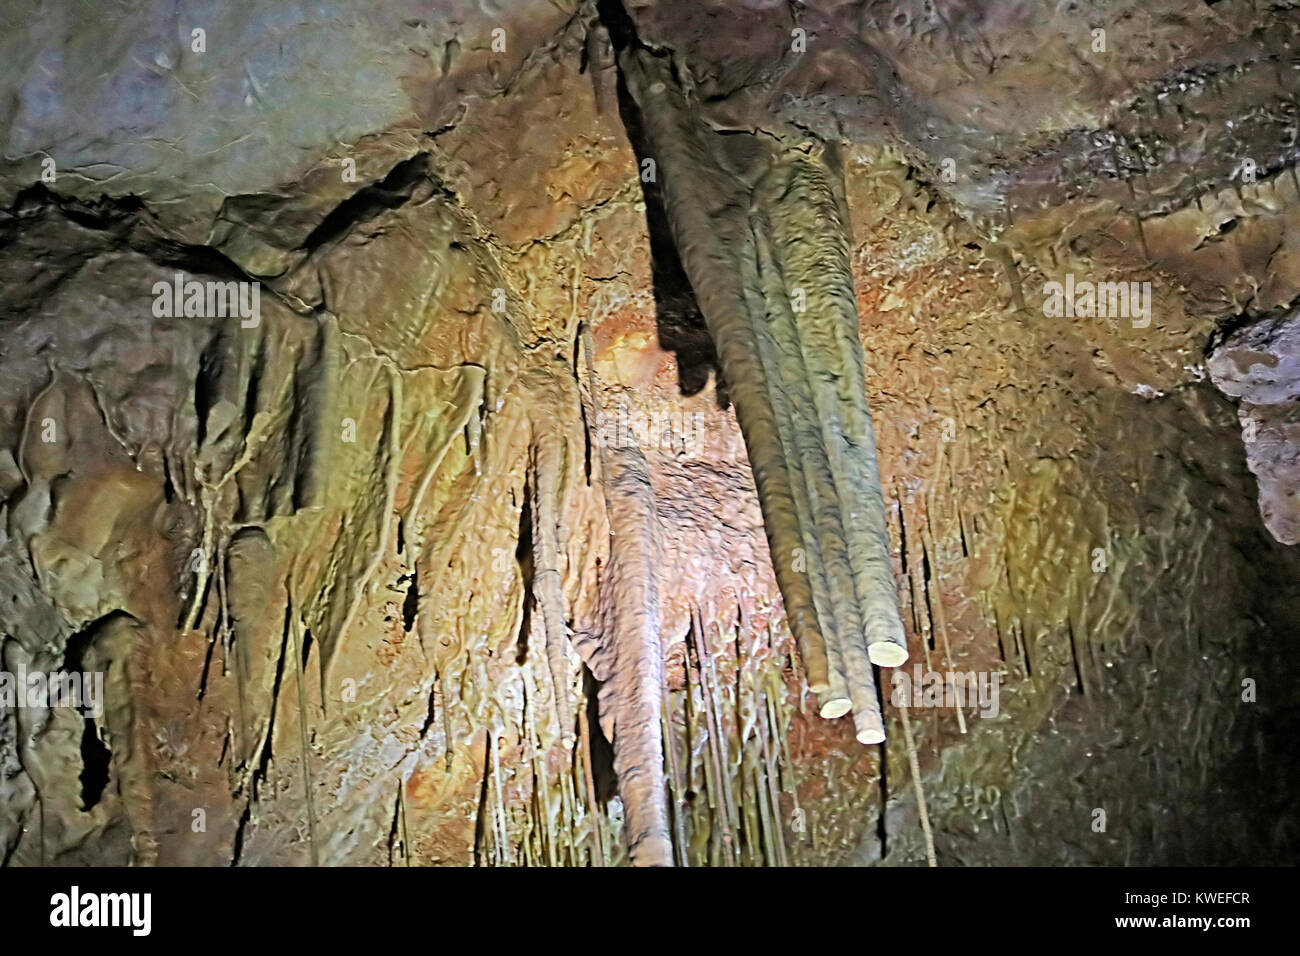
(347, 572)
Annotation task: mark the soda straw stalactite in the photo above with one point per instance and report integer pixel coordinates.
(936, 599)
(914, 764)
(719, 800)
(674, 783)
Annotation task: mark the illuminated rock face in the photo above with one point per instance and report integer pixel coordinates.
(1259, 365)
(395, 567)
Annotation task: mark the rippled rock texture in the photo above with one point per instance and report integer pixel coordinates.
(449, 549)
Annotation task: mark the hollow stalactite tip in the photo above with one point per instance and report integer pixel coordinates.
(835, 707)
(887, 654)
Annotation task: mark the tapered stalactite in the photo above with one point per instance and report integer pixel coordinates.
(778, 348)
(761, 228)
(547, 454)
(810, 244)
(553, 467)
(630, 654)
(631, 701)
(823, 534)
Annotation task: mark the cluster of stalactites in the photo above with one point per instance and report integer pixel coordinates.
(763, 236)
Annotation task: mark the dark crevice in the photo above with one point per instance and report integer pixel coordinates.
(602, 751)
(432, 713)
(925, 578)
(244, 818)
(95, 761)
(1074, 655)
(524, 556)
(207, 667)
(252, 393)
(96, 758)
(192, 259)
(207, 386)
(370, 201)
(393, 829)
(902, 537)
(106, 214)
(587, 426)
(480, 818)
(264, 757)
(411, 604)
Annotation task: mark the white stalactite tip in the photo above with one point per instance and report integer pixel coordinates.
(835, 707)
(887, 654)
(869, 725)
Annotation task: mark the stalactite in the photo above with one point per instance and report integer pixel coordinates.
(543, 822)
(569, 812)
(762, 233)
(500, 839)
(299, 663)
(718, 743)
(914, 764)
(714, 766)
(547, 454)
(921, 624)
(631, 701)
(674, 781)
(730, 779)
(769, 775)
(809, 238)
(810, 480)
(393, 462)
(936, 601)
(737, 758)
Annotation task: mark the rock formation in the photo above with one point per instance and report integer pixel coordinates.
(577, 433)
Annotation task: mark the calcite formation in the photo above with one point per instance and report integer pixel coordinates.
(761, 231)
(368, 578)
